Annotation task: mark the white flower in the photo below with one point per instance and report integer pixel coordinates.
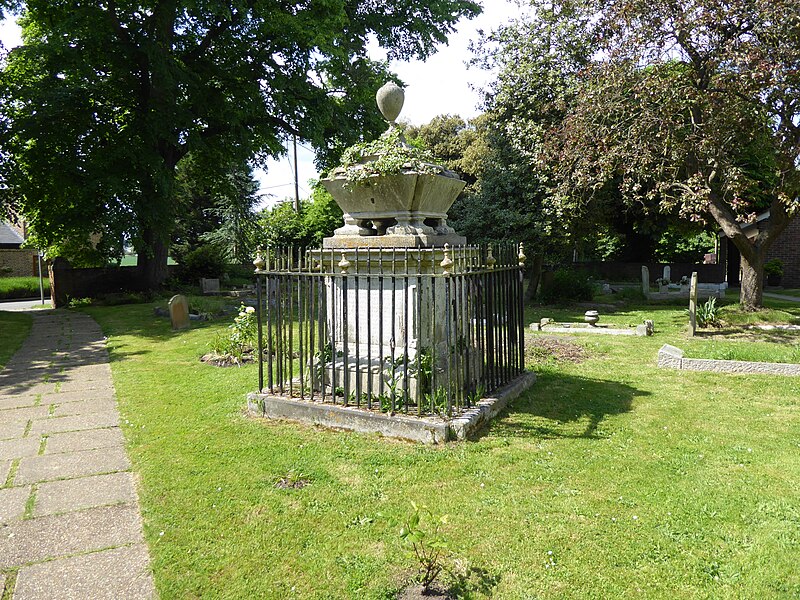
(250, 310)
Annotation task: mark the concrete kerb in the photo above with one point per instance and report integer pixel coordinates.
(425, 430)
(670, 357)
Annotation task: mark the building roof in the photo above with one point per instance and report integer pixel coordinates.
(9, 236)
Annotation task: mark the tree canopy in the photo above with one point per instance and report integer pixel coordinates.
(686, 106)
(104, 99)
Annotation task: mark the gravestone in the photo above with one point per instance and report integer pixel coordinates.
(179, 312)
(693, 305)
(209, 286)
(645, 281)
(667, 273)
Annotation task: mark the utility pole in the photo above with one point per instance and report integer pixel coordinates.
(296, 182)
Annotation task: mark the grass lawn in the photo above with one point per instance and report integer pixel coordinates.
(22, 287)
(785, 292)
(14, 327)
(611, 478)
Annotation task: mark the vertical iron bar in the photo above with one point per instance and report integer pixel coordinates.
(345, 345)
(434, 342)
(449, 341)
(393, 339)
(357, 322)
(369, 329)
(406, 281)
(380, 325)
(270, 344)
(333, 302)
(420, 346)
(259, 315)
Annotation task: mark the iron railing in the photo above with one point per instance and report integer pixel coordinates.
(415, 331)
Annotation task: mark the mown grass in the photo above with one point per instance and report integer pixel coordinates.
(610, 478)
(14, 327)
(22, 287)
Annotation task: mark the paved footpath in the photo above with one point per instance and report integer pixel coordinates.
(70, 525)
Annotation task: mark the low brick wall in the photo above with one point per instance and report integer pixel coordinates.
(66, 282)
(23, 263)
(670, 357)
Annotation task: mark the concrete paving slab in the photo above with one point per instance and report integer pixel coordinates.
(15, 415)
(85, 492)
(85, 407)
(12, 503)
(117, 574)
(64, 397)
(12, 430)
(75, 422)
(84, 440)
(91, 372)
(54, 536)
(73, 386)
(27, 388)
(71, 464)
(5, 467)
(16, 401)
(19, 448)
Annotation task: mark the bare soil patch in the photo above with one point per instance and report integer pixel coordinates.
(541, 349)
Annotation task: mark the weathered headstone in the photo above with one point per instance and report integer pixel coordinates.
(693, 304)
(667, 273)
(209, 286)
(179, 312)
(645, 280)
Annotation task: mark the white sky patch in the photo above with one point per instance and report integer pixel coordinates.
(440, 85)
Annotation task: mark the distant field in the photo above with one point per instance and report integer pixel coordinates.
(21, 287)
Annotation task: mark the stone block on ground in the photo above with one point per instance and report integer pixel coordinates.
(85, 492)
(116, 574)
(75, 422)
(71, 464)
(19, 448)
(74, 441)
(15, 415)
(12, 430)
(12, 503)
(44, 538)
(85, 407)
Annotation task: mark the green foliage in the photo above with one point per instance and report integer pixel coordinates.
(567, 285)
(215, 209)
(283, 226)
(241, 337)
(773, 268)
(79, 302)
(204, 261)
(675, 246)
(421, 533)
(707, 314)
(134, 90)
(388, 155)
(22, 287)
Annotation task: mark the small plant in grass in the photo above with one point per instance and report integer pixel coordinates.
(241, 338)
(708, 313)
(79, 302)
(421, 533)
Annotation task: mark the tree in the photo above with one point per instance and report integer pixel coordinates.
(104, 99)
(688, 105)
(281, 225)
(218, 211)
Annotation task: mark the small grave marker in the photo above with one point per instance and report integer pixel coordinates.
(645, 281)
(693, 305)
(667, 273)
(209, 286)
(179, 312)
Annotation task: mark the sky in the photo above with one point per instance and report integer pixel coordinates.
(442, 84)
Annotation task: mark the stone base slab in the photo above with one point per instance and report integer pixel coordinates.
(428, 430)
(670, 357)
(351, 242)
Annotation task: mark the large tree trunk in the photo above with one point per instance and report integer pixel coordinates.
(534, 275)
(153, 260)
(752, 292)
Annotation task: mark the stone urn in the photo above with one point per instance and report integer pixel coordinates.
(591, 317)
(412, 201)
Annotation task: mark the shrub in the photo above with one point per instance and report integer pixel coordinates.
(773, 268)
(567, 285)
(707, 313)
(206, 261)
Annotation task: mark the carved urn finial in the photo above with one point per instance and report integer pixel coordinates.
(521, 256)
(491, 261)
(259, 262)
(447, 261)
(390, 99)
(344, 264)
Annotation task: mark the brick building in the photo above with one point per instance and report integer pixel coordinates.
(14, 260)
(786, 248)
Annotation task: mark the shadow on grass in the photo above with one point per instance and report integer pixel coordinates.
(564, 406)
